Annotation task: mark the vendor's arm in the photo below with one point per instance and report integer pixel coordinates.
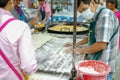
(46, 17)
(98, 46)
(39, 14)
(34, 21)
(84, 41)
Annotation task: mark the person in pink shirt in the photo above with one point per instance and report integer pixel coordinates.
(112, 5)
(45, 10)
(17, 55)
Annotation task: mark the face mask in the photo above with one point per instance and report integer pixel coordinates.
(87, 14)
(103, 5)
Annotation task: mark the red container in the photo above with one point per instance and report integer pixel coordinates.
(101, 68)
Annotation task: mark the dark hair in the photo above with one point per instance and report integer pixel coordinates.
(3, 3)
(97, 2)
(113, 2)
(84, 1)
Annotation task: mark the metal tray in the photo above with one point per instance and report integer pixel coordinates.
(67, 32)
(41, 28)
(51, 57)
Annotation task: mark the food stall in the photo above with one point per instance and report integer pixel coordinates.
(53, 62)
(66, 26)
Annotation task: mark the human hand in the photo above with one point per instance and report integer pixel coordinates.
(34, 21)
(68, 44)
(79, 51)
(69, 50)
(43, 21)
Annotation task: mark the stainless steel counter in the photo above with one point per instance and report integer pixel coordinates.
(53, 62)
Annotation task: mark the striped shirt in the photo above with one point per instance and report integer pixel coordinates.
(105, 27)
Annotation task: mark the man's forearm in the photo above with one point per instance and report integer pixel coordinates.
(84, 41)
(98, 46)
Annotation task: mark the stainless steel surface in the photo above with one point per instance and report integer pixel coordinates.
(52, 57)
(49, 76)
